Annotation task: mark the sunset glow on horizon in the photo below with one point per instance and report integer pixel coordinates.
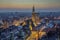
(29, 3)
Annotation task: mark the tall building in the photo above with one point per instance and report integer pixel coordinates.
(11, 36)
(35, 17)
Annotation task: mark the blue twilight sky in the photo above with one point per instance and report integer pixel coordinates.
(25, 5)
(29, 3)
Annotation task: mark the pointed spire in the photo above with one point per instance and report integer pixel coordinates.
(33, 10)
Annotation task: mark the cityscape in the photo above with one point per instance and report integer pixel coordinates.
(32, 27)
(29, 19)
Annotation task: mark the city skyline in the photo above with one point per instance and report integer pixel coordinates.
(27, 4)
(29, 19)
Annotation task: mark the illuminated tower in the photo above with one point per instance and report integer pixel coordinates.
(35, 17)
(33, 14)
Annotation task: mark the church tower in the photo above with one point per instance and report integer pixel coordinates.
(35, 17)
(33, 13)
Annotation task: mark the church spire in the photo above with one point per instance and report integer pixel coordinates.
(33, 10)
